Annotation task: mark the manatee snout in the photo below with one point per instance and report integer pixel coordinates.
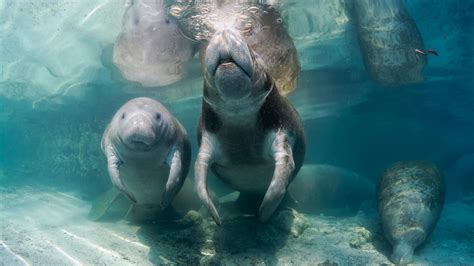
(402, 254)
(229, 65)
(140, 130)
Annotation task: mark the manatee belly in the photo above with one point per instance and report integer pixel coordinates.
(249, 178)
(147, 185)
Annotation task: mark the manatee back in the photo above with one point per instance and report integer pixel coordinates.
(410, 197)
(388, 37)
(151, 49)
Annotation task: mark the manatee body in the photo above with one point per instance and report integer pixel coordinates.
(148, 154)
(330, 190)
(388, 38)
(410, 197)
(250, 136)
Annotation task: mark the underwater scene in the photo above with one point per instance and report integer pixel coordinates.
(232, 132)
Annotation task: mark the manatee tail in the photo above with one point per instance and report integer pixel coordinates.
(402, 254)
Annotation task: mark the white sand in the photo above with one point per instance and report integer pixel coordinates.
(45, 227)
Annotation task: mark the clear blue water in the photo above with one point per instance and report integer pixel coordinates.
(59, 89)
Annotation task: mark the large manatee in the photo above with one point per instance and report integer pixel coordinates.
(260, 26)
(148, 153)
(250, 136)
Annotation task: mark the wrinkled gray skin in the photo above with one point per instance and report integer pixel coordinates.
(250, 136)
(148, 153)
(411, 197)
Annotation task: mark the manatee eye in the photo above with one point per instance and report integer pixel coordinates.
(158, 116)
(123, 116)
(167, 21)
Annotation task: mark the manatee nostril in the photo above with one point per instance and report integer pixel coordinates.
(224, 60)
(158, 116)
(123, 116)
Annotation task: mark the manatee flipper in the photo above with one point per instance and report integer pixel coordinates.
(177, 175)
(113, 165)
(207, 154)
(284, 167)
(103, 203)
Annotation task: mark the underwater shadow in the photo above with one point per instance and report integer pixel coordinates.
(245, 240)
(241, 239)
(172, 243)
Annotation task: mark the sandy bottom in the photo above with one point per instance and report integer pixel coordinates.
(47, 227)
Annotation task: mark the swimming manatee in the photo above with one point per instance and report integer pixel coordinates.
(151, 49)
(260, 26)
(331, 190)
(148, 154)
(410, 198)
(388, 39)
(250, 136)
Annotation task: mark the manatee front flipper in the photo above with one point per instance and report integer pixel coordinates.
(284, 167)
(206, 156)
(113, 165)
(179, 166)
(103, 203)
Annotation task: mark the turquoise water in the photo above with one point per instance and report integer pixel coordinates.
(59, 88)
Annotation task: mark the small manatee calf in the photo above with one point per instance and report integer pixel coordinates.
(410, 197)
(250, 136)
(148, 154)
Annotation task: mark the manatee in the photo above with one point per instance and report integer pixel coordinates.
(250, 136)
(388, 37)
(148, 154)
(260, 25)
(331, 190)
(410, 198)
(151, 49)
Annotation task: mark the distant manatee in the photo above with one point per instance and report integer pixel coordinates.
(151, 48)
(388, 37)
(330, 190)
(148, 154)
(410, 198)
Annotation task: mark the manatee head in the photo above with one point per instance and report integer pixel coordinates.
(232, 73)
(142, 124)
